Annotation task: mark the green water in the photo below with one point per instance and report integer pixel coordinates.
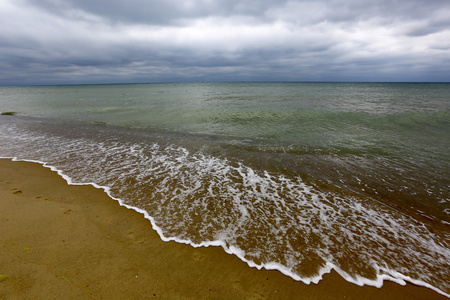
(378, 117)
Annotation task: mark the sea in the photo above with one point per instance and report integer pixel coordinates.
(301, 177)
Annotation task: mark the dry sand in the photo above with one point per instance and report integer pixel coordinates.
(74, 242)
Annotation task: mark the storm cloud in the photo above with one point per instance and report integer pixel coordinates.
(109, 41)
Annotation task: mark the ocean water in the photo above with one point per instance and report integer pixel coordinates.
(298, 177)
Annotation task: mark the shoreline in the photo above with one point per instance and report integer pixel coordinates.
(62, 240)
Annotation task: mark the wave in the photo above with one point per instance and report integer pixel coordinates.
(267, 219)
(406, 133)
(300, 116)
(382, 273)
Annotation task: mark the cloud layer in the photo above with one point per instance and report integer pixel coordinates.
(81, 41)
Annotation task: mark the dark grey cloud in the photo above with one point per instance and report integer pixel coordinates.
(156, 12)
(80, 41)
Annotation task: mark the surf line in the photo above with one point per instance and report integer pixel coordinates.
(390, 275)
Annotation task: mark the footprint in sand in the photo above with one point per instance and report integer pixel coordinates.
(17, 191)
(239, 287)
(69, 211)
(109, 220)
(136, 238)
(257, 296)
(198, 256)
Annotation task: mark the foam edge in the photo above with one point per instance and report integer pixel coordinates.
(389, 275)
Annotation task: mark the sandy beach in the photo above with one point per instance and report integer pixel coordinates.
(74, 242)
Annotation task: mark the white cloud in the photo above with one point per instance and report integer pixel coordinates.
(285, 40)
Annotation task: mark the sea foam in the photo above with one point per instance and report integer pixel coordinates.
(201, 200)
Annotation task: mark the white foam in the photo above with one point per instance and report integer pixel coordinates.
(388, 274)
(181, 176)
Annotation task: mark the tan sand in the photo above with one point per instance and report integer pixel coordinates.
(74, 242)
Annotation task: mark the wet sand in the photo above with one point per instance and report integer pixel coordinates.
(74, 242)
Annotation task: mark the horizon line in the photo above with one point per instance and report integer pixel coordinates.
(223, 81)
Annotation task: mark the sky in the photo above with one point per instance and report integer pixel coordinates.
(137, 41)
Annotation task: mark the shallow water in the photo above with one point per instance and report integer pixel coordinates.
(301, 177)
